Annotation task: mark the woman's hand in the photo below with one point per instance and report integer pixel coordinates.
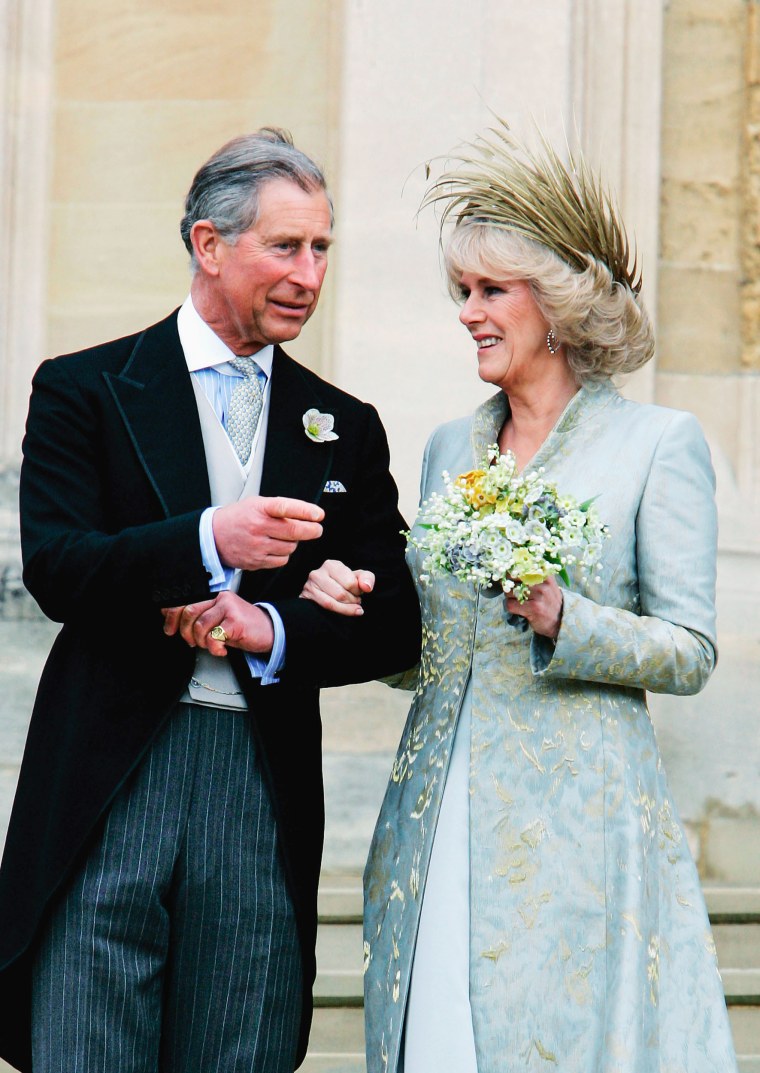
(542, 609)
(337, 588)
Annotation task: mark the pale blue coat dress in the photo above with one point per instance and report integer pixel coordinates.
(589, 945)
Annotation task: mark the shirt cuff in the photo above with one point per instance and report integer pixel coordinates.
(220, 575)
(268, 670)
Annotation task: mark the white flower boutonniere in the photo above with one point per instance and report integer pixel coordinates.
(319, 427)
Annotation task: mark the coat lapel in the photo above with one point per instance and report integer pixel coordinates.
(155, 397)
(294, 466)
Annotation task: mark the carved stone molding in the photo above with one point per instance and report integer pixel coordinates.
(617, 93)
(750, 187)
(26, 32)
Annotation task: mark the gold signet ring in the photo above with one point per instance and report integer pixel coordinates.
(218, 633)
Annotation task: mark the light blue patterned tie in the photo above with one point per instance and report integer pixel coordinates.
(245, 407)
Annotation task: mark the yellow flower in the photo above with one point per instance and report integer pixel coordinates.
(472, 484)
(532, 579)
(526, 569)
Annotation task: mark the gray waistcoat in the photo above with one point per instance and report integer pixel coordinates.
(213, 680)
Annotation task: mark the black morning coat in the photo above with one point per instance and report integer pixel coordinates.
(113, 484)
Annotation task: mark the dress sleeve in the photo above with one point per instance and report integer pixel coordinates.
(670, 646)
(409, 680)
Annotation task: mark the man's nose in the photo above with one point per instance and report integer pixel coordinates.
(308, 270)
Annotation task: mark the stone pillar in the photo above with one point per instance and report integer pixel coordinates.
(617, 88)
(25, 92)
(708, 363)
(749, 292)
(103, 124)
(25, 89)
(145, 93)
(417, 80)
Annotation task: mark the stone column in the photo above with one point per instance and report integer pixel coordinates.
(25, 92)
(708, 363)
(617, 90)
(417, 80)
(25, 88)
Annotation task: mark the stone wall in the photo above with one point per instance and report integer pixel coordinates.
(109, 108)
(707, 362)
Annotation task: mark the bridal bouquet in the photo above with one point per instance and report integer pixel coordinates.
(495, 525)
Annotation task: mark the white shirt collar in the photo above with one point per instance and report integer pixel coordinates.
(204, 349)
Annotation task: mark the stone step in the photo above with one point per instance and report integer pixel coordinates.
(732, 905)
(344, 1063)
(337, 1040)
(340, 899)
(336, 1043)
(339, 965)
(745, 1026)
(735, 916)
(737, 945)
(741, 987)
(340, 969)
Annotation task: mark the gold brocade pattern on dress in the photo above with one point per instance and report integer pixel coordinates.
(590, 948)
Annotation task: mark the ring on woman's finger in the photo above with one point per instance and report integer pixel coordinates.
(218, 633)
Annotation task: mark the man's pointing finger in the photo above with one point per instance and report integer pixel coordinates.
(298, 509)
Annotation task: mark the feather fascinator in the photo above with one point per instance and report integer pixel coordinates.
(565, 207)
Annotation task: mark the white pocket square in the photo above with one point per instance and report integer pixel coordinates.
(334, 486)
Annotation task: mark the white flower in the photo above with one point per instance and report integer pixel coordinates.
(493, 524)
(319, 427)
(515, 531)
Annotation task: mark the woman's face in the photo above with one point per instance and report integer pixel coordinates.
(503, 318)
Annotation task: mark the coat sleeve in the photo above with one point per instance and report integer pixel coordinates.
(79, 557)
(328, 649)
(670, 647)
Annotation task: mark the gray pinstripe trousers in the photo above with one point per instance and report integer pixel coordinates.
(174, 949)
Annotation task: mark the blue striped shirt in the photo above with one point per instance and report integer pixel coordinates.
(207, 357)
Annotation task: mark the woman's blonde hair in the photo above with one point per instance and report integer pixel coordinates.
(602, 322)
(524, 213)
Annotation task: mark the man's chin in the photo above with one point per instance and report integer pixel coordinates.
(286, 335)
(287, 328)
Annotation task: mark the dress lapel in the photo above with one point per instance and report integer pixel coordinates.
(155, 397)
(486, 425)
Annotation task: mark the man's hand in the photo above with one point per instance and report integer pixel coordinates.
(262, 532)
(247, 627)
(337, 588)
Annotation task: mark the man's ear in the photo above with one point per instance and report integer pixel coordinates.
(206, 241)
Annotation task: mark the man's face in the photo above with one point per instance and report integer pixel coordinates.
(268, 283)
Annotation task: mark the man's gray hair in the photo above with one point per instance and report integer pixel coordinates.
(225, 190)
